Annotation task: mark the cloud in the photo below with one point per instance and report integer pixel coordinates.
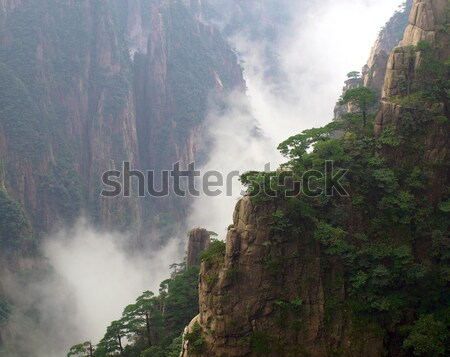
(93, 277)
(238, 147)
(88, 280)
(321, 44)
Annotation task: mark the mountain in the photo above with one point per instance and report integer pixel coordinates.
(84, 87)
(100, 84)
(358, 270)
(359, 273)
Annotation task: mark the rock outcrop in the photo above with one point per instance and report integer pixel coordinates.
(374, 72)
(341, 109)
(274, 295)
(198, 242)
(87, 85)
(254, 293)
(428, 21)
(389, 37)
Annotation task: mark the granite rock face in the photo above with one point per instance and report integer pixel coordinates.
(389, 37)
(243, 292)
(104, 83)
(199, 241)
(86, 86)
(269, 296)
(426, 20)
(374, 72)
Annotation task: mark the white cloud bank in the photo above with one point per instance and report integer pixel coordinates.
(325, 41)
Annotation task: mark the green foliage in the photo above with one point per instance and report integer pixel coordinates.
(261, 186)
(260, 343)
(155, 351)
(332, 238)
(432, 77)
(141, 315)
(389, 137)
(175, 347)
(415, 117)
(354, 75)
(15, 229)
(196, 342)
(216, 250)
(362, 97)
(117, 89)
(112, 342)
(297, 146)
(196, 56)
(445, 206)
(81, 350)
(63, 186)
(386, 180)
(297, 303)
(428, 337)
(233, 273)
(181, 300)
(390, 240)
(5, 310)
(20, 117)
(153, 324)
(273, 264)
(281, 223)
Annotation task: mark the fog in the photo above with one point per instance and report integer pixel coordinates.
(325, 41)
(94, 279)
(86, 283)
(103, 277)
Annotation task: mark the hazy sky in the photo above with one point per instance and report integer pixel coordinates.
(324, 43)
(331, 39)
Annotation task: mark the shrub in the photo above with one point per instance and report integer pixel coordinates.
(216, 248)
(428, 337)
(196, 341)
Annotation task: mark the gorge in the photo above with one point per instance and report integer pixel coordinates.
(86, 86)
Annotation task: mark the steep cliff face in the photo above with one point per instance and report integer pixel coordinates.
(263, 297)
(350, 275)
(374, 72)
(429, 23)
(198, 242)
(88, 107)
(389, 37)
(84, 86)
(188, 66)
(69, 64)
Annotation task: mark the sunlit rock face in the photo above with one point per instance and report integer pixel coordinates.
(375, 70)
(424, 22)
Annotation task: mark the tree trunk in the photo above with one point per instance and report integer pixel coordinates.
(91, 350)
(119, 338)
(147, 321)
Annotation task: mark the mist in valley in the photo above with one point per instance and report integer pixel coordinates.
(322, 42)
(93, 277)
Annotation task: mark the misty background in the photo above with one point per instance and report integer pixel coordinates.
(94, 278)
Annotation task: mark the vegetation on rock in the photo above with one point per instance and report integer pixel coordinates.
(152, 325)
